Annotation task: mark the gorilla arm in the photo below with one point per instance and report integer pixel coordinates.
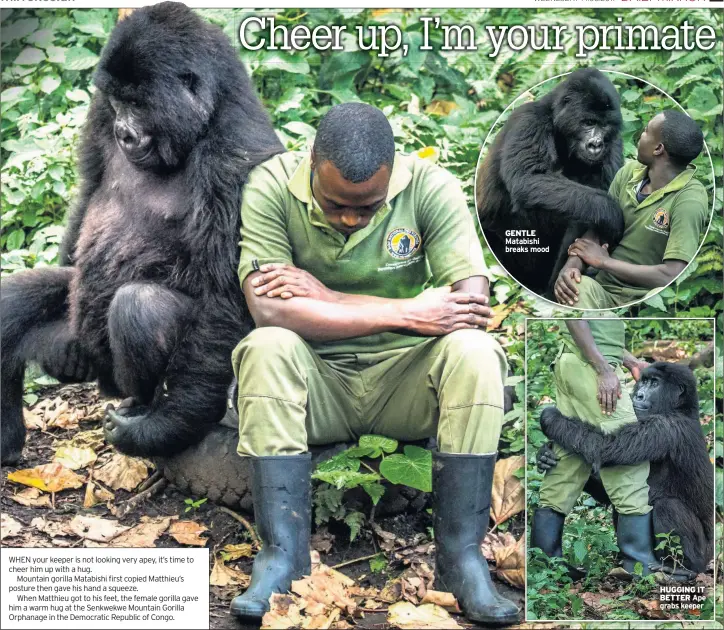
(654, 439)
(91, 168)
(529, 157)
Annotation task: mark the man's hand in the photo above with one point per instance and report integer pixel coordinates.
(609, 391)
(437, 312)
(565, 289)
(590, 252)
(287, 281)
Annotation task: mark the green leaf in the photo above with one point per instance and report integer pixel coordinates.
(80, 58)
(56, 54)
(15, 239)
(49, 84)
(299, 128)
(413, 469)
(703, 99)
(278, 60)
(579, 550)
(379, 563)
(30, 57)
(355, 521)
(42, 38)
(77, 96)
(15, 197)
(378, 444)
(345, 478)
(375, 490)
(19, 29)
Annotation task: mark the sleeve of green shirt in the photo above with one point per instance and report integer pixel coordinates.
(689, 214)
(263, 222)
(449, 238)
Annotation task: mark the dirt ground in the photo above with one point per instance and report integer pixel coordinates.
(223, 529)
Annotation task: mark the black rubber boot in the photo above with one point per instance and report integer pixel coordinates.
(461, 486)
(635, 537)
(547, 534)
(283, 515)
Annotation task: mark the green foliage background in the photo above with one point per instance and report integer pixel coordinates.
(449, 101)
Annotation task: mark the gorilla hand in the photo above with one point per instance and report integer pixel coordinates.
(546, 459)
(120, 425)
(67, 361)
(547, 417)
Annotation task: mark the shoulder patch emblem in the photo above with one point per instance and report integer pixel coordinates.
(403, 243)
(661, 218)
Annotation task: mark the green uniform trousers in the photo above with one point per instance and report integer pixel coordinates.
(290, 397)
(593, 295)
(576, 396)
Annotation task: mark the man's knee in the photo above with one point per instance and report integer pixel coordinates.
(271, 344)
(474, 347)
(591, 295)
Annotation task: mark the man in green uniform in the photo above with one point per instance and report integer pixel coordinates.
(665, 212)
(588, 380)
(366, 280)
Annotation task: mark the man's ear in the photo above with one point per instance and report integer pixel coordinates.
(313, 161)
(660, 149)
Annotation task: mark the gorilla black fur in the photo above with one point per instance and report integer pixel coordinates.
(668, 435)
(147, 299)
(549, 170)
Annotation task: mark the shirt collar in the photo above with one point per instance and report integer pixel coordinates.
(681, 180)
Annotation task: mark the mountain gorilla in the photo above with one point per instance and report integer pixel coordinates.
(549, 170)
(147, 300)
(668, 435)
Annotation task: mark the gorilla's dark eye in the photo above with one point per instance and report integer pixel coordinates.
(190, 81)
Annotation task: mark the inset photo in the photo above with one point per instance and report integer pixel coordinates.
(595, 189)
(620, 482)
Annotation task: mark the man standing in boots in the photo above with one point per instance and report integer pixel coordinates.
(588, 380)
(339, 248)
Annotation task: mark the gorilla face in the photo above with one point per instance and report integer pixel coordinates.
(587, 115)
(161, 111)
(663, 388)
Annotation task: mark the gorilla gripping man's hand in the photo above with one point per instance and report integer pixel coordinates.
(590, 252)
(546, 459)
(609, 390)
(438, 311)
(287, 281)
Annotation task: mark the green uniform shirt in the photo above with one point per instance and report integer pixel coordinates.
(667, 225)
(609, 335)
(423, 236)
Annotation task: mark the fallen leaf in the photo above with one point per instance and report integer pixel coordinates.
(284, 612)
(95, 528)
(442, 599)
(327, 587)
(500, 312)
(52, 528)
(233, 552)
(495, 541)
(221, 575)
(52, 477)
(9, 527)
(188, 533)
(144, 534)
(33, 421)
(508, 497)
(59, 415)
(406, 615)
(92, 439)
(31, 497)
(75, 458)
(322, 541)
(122, 471)
(510, 563)
(95, 494)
